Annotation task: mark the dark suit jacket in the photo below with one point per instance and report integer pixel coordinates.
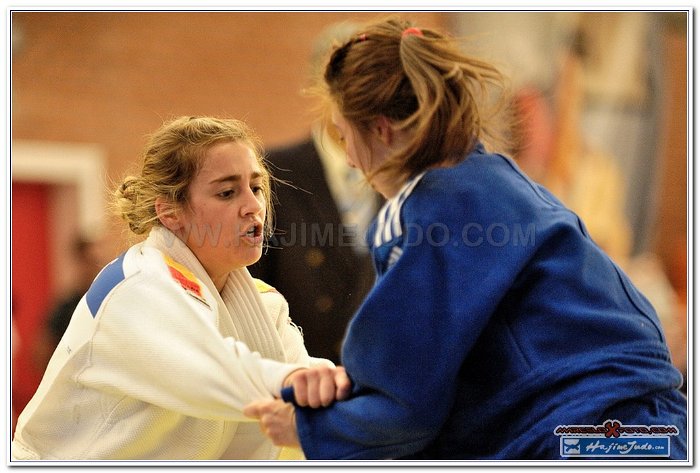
(311, 260)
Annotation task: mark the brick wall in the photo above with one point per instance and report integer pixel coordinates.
(111, 77)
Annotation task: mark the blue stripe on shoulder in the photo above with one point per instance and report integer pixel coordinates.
(109, 277)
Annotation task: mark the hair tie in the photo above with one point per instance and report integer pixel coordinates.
(412, 31)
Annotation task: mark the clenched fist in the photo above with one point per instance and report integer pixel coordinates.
(313, 387)
(319, 386)
(277, 421)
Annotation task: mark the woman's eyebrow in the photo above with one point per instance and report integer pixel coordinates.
(235, 178)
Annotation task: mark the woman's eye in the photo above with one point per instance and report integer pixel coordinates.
(227, 194)
(257, 190)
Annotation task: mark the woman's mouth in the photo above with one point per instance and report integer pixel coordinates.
(254, 234)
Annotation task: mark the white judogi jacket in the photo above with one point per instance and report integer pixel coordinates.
(155, 364)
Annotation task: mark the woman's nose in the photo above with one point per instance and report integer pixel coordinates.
(252, 204)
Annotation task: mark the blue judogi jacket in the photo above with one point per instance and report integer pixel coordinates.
(494, 319)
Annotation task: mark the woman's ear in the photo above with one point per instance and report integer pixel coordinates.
(384, 129)
(168, 214)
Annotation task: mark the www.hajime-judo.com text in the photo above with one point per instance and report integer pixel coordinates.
(323, 235)
(627, 447)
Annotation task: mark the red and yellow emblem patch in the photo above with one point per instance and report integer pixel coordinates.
(185, 278)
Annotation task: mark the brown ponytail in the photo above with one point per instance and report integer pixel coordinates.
(422, 82)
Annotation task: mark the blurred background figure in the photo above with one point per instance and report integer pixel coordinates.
(318, 257)
(89, 256)
(553, 151)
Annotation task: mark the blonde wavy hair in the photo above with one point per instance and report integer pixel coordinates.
(172, 158)
(422, 82)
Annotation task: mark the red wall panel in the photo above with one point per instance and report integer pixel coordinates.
(31, 282)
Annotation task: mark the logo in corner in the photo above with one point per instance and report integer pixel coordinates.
(614, 439)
